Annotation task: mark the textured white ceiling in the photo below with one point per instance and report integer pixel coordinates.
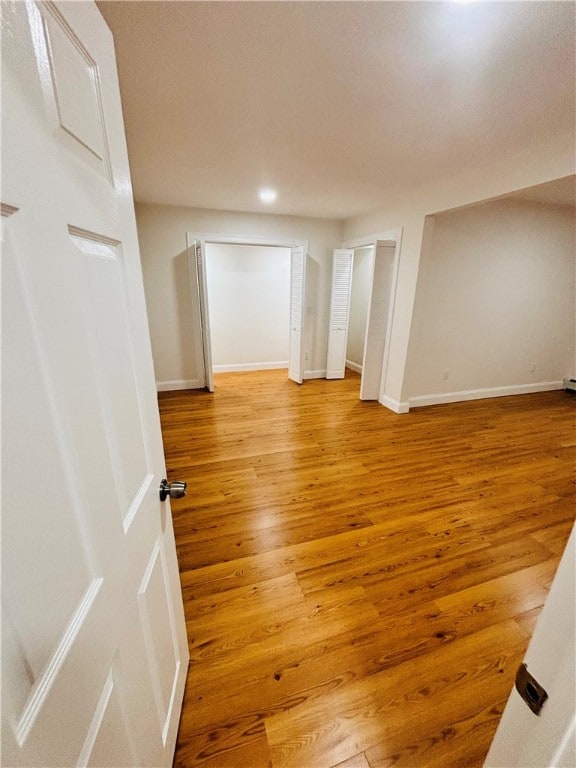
(336, 105)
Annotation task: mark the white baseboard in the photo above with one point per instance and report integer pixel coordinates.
(314, 374)
(353, 366)
(394, 405)
(232, 368)
(480, 394)
(169, 386)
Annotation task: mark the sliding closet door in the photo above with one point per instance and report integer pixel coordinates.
(297, 313)
(342, 263)
(378, 319)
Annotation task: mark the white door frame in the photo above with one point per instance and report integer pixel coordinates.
(524, 739)
(222, 239)
(372, 241)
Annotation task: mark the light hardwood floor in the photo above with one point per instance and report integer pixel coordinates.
(359, 586)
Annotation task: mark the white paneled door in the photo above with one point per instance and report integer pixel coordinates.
(342, 263)
(525, 739)
(297, 313)
(94, 650)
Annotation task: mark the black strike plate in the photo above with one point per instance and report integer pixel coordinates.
(530, 689)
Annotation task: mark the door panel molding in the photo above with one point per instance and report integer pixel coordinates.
(83, 454)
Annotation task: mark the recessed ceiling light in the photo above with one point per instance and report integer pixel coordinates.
(267, 195)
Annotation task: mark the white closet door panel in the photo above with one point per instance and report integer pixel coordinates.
(200, 254)
(297, 314)
(336, 358)
(339, 313)
(378, 320)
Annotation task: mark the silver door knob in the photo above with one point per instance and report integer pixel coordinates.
(175, 490)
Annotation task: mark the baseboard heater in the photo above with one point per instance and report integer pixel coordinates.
(570, 384)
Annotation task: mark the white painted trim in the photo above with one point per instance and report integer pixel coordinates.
(44, 683)
(219, 238)
(479, 394)
(394, 235)
(169, 386)
(366, 240)
(353, 366)
(197, 325)
(391, 313)
(394, 405)
(231, 368)
(314, 374)
(198, 252)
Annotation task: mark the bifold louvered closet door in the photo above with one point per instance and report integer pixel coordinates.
(342, 264)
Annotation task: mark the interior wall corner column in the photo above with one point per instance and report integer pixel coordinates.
(415, 235)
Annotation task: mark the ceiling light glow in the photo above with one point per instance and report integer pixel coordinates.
(267, 195)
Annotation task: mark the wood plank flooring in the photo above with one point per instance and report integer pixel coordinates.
(359, 586)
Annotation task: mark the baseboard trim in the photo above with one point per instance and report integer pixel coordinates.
(354, 366)
(480, 394)
(394, 405)
(169, 386)
(233, 368)
(314, 374)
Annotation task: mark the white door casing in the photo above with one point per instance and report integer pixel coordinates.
(94, 650)
(379, 317)
(297, 314)
(199, 250)
(342, 263)
(524, 739)
(298, 248)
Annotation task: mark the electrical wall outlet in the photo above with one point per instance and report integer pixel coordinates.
(446, 375)
(533, 368)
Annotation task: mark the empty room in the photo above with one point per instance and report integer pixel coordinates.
(288, 380)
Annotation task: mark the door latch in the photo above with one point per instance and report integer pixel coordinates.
(530, 689)
(175, 490)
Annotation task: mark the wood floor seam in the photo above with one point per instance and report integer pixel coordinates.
(359, 587)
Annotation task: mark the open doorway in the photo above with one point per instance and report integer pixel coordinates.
(249, 301)
(362, 299)
(222, 282)
(361, 287)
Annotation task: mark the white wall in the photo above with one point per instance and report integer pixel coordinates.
(495, 299)
(171, 298)
(408, 208)
(172, 308)
(249, 305)
(359, 300)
